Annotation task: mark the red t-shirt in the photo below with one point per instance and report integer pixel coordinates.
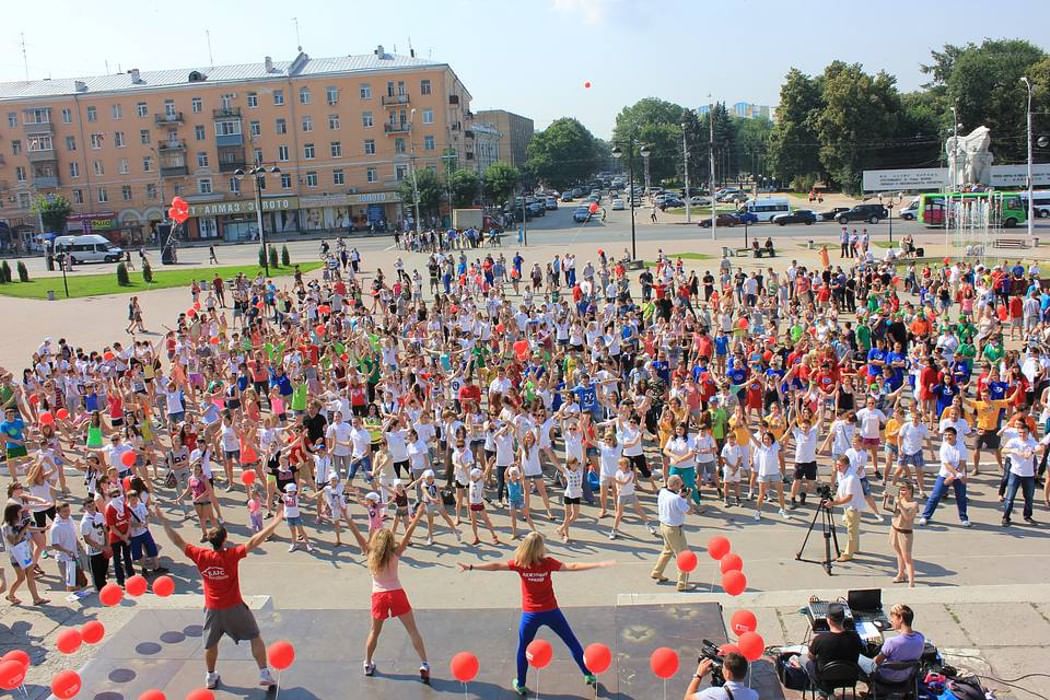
(222, 588)
(118, 521)
(537, 589)
(470, 392)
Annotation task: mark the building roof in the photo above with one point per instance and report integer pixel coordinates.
(301, 66)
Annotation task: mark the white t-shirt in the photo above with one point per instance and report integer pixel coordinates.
(679, 446)
(705, 448)
(1022, 457)
(870, 419)
(805, 444)
(338, 438)
(609, 460)
(361, 440)
(476, 491)
(954, 455)
(733, 456)
(627, 434)
(625, 482)
(913, 437)
(850, 484)
(767, 459)
(858, 460)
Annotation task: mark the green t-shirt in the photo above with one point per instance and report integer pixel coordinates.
(864, 337)
(719, 422)
(993, 352)
(480, 353)
(299, 394)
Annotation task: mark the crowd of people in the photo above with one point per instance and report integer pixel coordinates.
(470, 394)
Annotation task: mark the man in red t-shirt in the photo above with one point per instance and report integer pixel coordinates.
(224, 610)
(118, 524)
(469, 392)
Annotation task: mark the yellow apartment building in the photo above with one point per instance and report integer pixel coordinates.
(343, 131)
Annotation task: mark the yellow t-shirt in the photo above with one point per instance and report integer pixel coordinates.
(988, 413)
(893, 427)
(776, 425)
(743, 433)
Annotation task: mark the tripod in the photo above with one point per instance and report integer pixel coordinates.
(827, 525)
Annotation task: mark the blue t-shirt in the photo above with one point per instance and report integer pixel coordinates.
(13, 429)
(875, 354)
(721, 344)
(997, 390)
(944, 393)
(587, 397)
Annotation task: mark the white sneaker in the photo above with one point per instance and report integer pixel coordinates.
(652, 531)
(310, 548)
(966, 523)
(758, 515)
(293, 546)
(211, 681)
(612, 535)
(430, 541)
(266, 678)
(459, 536)
(784, 514)
(922, 521)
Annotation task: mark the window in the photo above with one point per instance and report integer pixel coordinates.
(74, 169)
(286, 181)
(125, 192)
(278, 97)
(308, 151)
(337, 177)
(336, 149)
(196, 105)
(226, 101)
(304, 95)
(144, 136)
(151, 191)
(24, 200)
(281, 126)
(118, 139)
(371, 175)
(311, 179)
(332, 94)
(366, 120)
(333, 122)
(103, 196)
(204, 185)
(71, 143)
(235, 185)
(202, 159)
(96, 141)
(253, 100)
(428, 143)
(12, 119)
(228, 127)
(16, 147)
(178, 190)
(147, 164)
(254, 128)
(92, 114)
(308, 124)
(99, 169)
(78, 196)
(20, 173)
(400, 172)
(428, 116)
(282, 153)
(257, 156)
(40, 143)
(370, 147)
(199, 132)
(424, 87)
(142, 109)
(399, 145)
(123, 166)
(366, 91)
(116, 110)
(67, 116)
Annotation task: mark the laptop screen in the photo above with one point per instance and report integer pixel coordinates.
(865, 600)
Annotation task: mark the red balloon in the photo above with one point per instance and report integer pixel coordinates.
(201, 694)
(260, 305)
(743, 621)
(68, 640)
(16, 655)
(153, 694)
(179, 217)
(92, 632)
(34, 399)
(128, 458)
(344, 357)
(320, 329)
(163, 586)
(593, 208)
(108, 356)
(718, 547)
(664, 662)
(12, 674)
(521, 349)
(281, 654)
(587, 84)
(597, 657)
(731, 562)
(734, 582)
(46, 418)
(65, 684)
(192, 313)
(464, 667)
(62, 414)
(110, 595)
(539, 653)
(324, 309)
(247, 477)
(214, 340)
(136, 585)
(728, 648)
(751, 645)
(687, 560)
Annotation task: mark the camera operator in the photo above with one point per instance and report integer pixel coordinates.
(673, 505)
(850, 495)
(734, 668)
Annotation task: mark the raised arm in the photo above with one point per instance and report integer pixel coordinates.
(407, 538)
(586, 566)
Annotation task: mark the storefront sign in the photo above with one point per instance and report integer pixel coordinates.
(374, 198)
(243, 206)
(93, 223)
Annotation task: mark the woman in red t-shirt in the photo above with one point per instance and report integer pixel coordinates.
(539, 607)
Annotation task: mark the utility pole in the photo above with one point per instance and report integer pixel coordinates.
(1031, 204)
(711, 183)
(685, 167)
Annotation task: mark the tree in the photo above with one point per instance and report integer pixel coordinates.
(465, 186)
(563, 154)
(793, 141)
(431, 191)
(53, 210)
(657, 124)
(500, 182)
(751, 143)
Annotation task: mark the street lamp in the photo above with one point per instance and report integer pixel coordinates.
(618, 153)
(1031, 207)
(889, 202)
(258, 175)
(415, 183)
(685, 169)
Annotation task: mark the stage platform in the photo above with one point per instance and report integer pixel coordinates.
(164, 649)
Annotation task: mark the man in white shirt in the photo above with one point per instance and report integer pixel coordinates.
(337, 437)
(952, 473)
(850, 496)
(93, 530)
(361, 452)
(673, 505)
(62, 539)
(912, 438)
(1022, 451)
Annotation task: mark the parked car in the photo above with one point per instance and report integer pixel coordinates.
(567, 197)
(581, 214)
(911, 211)
(618, 205)
(832, 214)
(733, 197)
(669, 202)
(551, 203)
(535, 208)
(747, 217)
(872, 213)
(729, 220)
(87, 248)
(698, 201)
(799, 216)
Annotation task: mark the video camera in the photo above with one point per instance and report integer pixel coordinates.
(824, 492)
(709, 650)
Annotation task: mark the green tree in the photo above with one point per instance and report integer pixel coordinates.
(657, 124)
(54, 211)
(465, 186)
(431, 191)
(793, 140)
(500, 181)
(563, 154)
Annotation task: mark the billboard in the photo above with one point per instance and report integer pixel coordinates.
(905, 179)
(1016, 176)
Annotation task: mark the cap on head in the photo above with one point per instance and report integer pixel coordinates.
(372, 496)
(291, 488)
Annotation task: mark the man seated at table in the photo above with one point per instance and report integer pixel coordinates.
(837, 644)
(906, 646)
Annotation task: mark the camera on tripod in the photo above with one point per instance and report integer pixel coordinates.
(824, 492)
(709, 650)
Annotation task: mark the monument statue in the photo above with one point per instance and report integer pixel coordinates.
(969, 160)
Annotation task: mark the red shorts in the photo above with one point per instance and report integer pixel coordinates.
(390, 604)
(477, 507)
(870, 442)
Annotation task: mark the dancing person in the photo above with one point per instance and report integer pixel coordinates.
(539, 607)
(673, 505)
(901, 532)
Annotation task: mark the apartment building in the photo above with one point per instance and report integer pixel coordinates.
(344, 133)
(515, 133)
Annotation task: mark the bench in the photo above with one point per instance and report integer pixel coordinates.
(635, 264)
(759, 252)
(740, 252)
(1009, 243)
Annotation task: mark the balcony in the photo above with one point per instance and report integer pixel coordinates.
(167, 118)
(395, 100)
(172, 145)
(228, 166)
(174, 170)
(45, 181)
(38, 127)
(397, 127)
(45, 156)
(227, 140)
(468, 133)
(453, 99)
(226, 113)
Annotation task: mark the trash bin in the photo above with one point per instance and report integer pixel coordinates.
(1035, 241)
(726, 253)
(920, 252)
(810, 245)
(51, 295)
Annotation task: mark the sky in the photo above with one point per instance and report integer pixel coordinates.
(531, 57)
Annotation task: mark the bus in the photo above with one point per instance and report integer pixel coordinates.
(1009, 209)
(766, 208)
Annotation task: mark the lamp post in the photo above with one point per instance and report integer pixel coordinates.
(258, 175)
(1031, 206)
(685, 168)
(618, 153)
(412, 162)
(889, 202)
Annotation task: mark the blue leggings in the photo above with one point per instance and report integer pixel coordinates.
(530, 625)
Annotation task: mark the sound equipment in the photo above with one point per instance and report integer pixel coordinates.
(817, 612)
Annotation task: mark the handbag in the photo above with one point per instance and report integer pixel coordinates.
(22, 554)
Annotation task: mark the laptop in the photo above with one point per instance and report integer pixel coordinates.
(865, 600)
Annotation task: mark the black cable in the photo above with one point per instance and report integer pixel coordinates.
(1011, 685)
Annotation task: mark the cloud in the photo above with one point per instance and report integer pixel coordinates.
(592, 11)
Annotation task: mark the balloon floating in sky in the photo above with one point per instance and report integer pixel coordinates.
(587, 84)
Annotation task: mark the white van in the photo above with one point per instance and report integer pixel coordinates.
(88, 248)
(767, 207)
